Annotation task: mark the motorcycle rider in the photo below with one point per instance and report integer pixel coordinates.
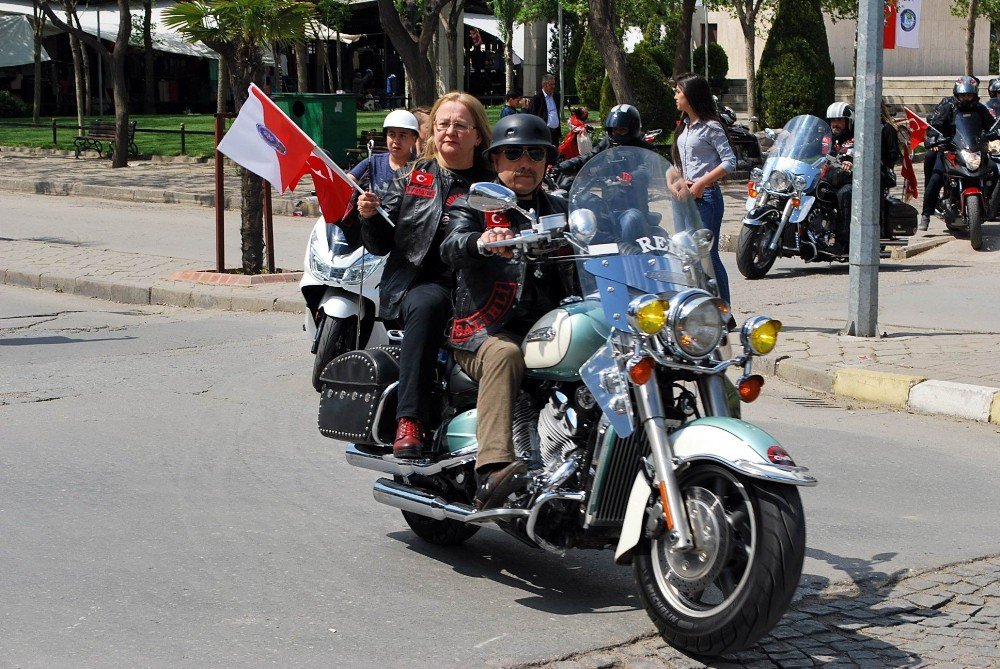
(496, 301)
(993, 104)
(964, 98)
(401, 131)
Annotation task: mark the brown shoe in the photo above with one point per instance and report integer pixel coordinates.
(494, 488)
(409, 439)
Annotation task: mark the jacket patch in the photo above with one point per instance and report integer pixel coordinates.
(500, 302)
(451, 199)
(419, 191)
(497, 219)
(421, 178)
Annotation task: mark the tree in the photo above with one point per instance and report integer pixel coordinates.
(748, 12)
(505, 12)
(149, 85)
(603, 22)
(69, 6)
(972, 10)
(413, 46)
(116, 57)
(452, 31)
(38, 26)
(682, 50)
(240, 30)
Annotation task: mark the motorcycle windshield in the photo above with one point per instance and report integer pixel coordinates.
(968, 131)
(646, 236)
(805, 138)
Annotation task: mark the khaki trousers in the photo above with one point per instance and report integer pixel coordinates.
(498, 366)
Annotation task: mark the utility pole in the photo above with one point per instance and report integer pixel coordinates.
(862, 317)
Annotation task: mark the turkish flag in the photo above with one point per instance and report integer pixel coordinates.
(918, 128)
(268, 143)
(889, 26)
(333, 187)
(909, 177)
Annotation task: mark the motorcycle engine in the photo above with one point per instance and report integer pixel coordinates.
(556, 428)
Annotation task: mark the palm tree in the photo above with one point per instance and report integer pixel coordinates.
(240, 31)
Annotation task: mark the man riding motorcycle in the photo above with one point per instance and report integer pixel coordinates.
(496, 302)
(964, 98)
(622, 127)
(993, 104)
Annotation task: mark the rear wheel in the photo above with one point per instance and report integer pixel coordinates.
(445, 532)
(753, 255)
(738, 581)
(974, 215)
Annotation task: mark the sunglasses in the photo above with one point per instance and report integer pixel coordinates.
(514, 153)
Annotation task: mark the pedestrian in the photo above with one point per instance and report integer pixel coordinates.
(702, 151)
(512, 99)
(415, 292)
(546, 106)
(423, 115)
(577, 135)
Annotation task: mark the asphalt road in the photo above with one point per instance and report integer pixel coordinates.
(166, 501)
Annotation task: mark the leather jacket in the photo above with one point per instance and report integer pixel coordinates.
(943, 116)
(415, 201)
(573, 165)
(491, 293)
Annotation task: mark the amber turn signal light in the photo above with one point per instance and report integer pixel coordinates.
(751, 189)
(641, 370)
(749, 387)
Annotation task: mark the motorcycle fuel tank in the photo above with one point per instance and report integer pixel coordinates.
(563, 339)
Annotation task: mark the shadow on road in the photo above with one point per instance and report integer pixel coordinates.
(38, 341)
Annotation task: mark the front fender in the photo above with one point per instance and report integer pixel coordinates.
(760, 215)
(729, 442)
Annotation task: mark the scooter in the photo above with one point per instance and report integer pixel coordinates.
(340, 286)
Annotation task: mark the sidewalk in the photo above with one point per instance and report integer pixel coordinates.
(939, 353)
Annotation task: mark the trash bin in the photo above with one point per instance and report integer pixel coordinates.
(330, 119)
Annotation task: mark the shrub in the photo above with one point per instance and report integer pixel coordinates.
(796, 74)
(653, 96)
(589, 73)
(718, 65)
(12, 107)
(660, 54)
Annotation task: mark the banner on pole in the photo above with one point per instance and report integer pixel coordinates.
(908, 24)
(889, 25)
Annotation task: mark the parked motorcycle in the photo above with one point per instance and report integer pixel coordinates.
(623, 419)
(340, 286)
(792, 209)
(744, 143)
(969, 175)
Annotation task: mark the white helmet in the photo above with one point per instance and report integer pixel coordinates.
(401, 119)
(840, 110)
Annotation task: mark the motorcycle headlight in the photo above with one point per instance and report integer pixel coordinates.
(972, 159)
(994, 146)
(778, 181)
(799, 182)
(697, 323)
(756, 174)
(760, 334)
(363, 268)
(648, 314)
(319, 263)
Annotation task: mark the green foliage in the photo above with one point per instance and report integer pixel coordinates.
(12, 107)
(660, 53)
(589, 73)
(239, 23)
(718, 65)
(796, 74)
(574, 29)
(988, 8)
(653, 98)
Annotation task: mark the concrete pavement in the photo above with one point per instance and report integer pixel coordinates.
(928, 359)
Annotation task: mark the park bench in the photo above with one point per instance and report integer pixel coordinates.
(98, 133)
(356, 155)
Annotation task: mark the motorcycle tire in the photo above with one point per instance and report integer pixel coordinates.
(445, 532)
(336, 337)
(974, 215)
(753, 257)
(747, 577)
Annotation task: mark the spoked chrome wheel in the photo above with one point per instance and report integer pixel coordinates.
(736, 583)
(754, 256)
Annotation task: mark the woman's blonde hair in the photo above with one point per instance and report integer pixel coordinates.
(482, 125)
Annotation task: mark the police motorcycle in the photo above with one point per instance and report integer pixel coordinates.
(792, 209)
(340, 286)
(969, 175)
(623, 419)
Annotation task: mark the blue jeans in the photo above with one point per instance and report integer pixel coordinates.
(710, 208)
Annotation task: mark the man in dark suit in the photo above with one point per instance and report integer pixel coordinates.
(546, 105)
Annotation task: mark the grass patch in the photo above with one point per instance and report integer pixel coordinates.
(152, 143)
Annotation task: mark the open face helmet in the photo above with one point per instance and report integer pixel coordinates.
(844, 111)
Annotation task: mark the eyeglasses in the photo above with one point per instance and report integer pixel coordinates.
(514, 153)
(460, 128)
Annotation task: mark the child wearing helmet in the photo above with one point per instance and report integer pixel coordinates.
(401, 130)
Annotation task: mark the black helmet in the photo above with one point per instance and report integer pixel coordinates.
(964, 86)
(522, 130)
(623, 116)
(994, 87)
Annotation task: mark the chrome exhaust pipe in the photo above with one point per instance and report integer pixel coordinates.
(418, 501)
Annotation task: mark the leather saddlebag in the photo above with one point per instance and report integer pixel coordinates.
(900, 217)
(354, 395)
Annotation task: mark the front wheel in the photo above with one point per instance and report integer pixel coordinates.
(336, 337)
(974, 215)
(754, 256)
(735, 585)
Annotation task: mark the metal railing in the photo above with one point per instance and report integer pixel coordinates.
(182, 131)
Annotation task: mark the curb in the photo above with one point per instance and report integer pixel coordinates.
(899, 391)
(728, 241)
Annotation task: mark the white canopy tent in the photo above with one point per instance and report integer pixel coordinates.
(17, 41)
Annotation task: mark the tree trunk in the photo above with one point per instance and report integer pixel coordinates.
(301, 66)
(682, 52)
(149, 94)
(508, 58)
(751, 40)
(74, 47)
(970, 35)
(244, 71)
(330, 83)
(413, 51)
(320, 49)
(88, 98)
(222, 87)
(451, 31)
(119, 77)
(603, 21)
(36, 110)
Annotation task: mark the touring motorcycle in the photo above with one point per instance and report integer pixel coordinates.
(623, 419)
(340, 286)
(792, 208)
(969, 175)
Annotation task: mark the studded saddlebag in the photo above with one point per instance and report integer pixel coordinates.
(901, 218)
(358, 388)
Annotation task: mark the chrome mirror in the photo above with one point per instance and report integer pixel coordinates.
(490, 197)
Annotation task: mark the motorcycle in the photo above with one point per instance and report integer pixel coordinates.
(623, 420)
(792, 208)
(969, 175)
(340, 286)
(744, 143)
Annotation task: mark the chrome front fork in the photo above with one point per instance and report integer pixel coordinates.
(654, 423)
(785, 215)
